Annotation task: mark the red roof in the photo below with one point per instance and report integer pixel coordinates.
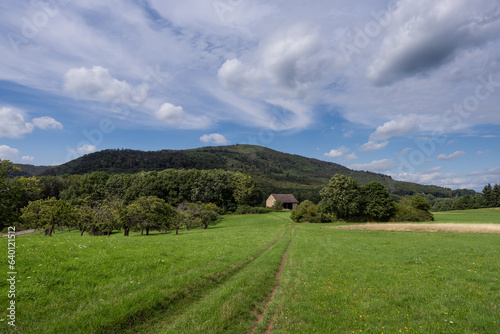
(285, 198)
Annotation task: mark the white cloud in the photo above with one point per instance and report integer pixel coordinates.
(86, 148)
(395, 128)
(176, 116)
(46, 122)
(170, 114)
(337, 153)
(214, 138)
(452, 156)
(28, 158)
(289, 62)
(375, 166)
(351, 157)
(12, 123)
(98, 84)
(372, 146)
(8, 153)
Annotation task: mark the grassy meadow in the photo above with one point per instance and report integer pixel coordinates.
(479, 216)
(224, 279)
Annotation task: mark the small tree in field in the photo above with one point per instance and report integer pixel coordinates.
(277, 206)
(150, 212)
(343, 197)
(420, 203)
(47, 214)
(378, 204)
(202, 214)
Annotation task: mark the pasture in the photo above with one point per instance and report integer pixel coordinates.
(260, 274)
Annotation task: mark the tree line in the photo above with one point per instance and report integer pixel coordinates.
(489, 198)
(146, 213)
(95, 194)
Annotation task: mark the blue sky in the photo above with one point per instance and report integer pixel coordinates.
(405, 88)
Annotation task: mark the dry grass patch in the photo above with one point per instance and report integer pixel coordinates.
(399, 227)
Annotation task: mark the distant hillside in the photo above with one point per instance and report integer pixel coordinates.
(274, 171)
(30, 170)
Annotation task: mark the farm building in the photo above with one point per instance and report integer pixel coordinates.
(289, 201)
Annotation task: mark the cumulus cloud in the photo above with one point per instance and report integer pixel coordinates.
(395, 128)
(46, 122)
(176, 116)
(376, 166)
(13, 124)
(288, 62)
(372, 146)
(169, 113)
(28, 158)
(86, 148)
(452, 156)
(98, 84)
(214, 138)
(337, 153)
(426, 34)
(8, 153)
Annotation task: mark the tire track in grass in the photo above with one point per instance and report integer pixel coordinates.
(231, 306)
(260, 316)
(183, 301)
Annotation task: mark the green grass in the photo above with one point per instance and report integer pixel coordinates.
(221, 280)
(478, 216)
(389, 282)
(73, 284)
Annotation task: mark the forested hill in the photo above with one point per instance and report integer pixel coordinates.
(30, 170)
(274, 171)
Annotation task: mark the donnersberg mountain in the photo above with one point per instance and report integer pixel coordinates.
(274, 171)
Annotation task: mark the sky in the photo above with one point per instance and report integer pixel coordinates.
(406, 88)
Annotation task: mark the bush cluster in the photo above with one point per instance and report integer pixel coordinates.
(418, 210)
(247, 209)
(308, 212)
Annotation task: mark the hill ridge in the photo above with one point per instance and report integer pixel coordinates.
(274, 171)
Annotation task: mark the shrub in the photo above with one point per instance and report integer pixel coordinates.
(307, 211)
(247, 209)
(277, 206)
(406, 212)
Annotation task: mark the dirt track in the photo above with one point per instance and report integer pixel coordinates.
(455, 228)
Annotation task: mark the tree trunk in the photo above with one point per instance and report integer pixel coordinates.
(81, 232)
(92, 230)
(109, 233)
(69, 229)
(187, 227)
(142, 231)
(125, 234)
(177, 231)
(47, 234)
(205, 226)
(147, 230)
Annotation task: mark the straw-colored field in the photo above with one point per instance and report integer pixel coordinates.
(449, 227)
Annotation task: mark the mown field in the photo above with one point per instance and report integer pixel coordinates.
(224, 279)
